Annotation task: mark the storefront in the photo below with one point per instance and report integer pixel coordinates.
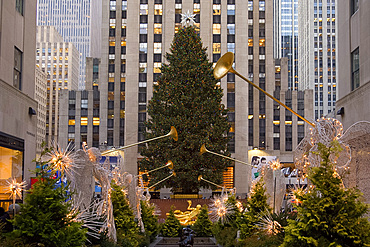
(11, 165)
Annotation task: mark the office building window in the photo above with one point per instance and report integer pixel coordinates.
(355, 67)
(19, 6)
(17, 69)
(354, 6)
(11, 159)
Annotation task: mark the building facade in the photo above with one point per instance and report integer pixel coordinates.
(18, 120)
(354, 64)
(353, 104)
(41, 98)
(317, 52)
(72, 20)
(135, 37)
(59, 60)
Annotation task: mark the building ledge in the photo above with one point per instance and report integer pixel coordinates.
(361, 91)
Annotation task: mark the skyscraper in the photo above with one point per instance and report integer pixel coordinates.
(72, 19)
(317, 56)
(286, 31)
(59, 60)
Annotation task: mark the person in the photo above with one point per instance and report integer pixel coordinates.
(187, 237)
(2, 211)
(4, 219)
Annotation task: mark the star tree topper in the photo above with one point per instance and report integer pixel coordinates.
(187, 19)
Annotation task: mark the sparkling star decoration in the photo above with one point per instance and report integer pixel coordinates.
(187, 19)
(15, 188)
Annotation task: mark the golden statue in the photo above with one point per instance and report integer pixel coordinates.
(188, 217)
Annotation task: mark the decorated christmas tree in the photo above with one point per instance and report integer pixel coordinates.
(188, 97)
(329, 214)
(203, 225)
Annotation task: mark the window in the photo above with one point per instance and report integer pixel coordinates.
(355, 67)
(19, 6)
(17, 69)
(11, 159)
(354, 6)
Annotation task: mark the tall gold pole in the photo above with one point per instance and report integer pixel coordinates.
(172, 133)
(203, 150)
(169, 165)
(224, 65)
(272, 97)
(201, 178)
(173, 174)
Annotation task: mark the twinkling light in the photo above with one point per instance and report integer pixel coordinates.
(220, 209)
(239, 205)
(275, 164)
(294, 192)
(62, 160)
(268, 224)
(15, 188)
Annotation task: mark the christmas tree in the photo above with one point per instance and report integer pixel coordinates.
(188, 97)
(150, 220)
(256, 207)
(46, 218)
(203, 225)
(329, 214)
(127, 228)
(171, 227)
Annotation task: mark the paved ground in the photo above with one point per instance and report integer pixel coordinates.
(172, 242)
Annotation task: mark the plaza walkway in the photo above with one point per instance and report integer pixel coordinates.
(172, 242)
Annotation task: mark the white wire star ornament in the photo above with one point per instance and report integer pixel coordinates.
(187, 19)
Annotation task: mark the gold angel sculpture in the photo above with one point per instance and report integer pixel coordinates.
(188, 217)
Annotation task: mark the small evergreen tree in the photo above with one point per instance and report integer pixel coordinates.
(126, 227)
(46, 218)
(171, 227)
(226, 233)
(150, 220)
(328, 215)
(256, 205)
(203, 225)
(186, 96)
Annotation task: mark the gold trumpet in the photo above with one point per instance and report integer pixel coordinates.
(172, 133)
(224, 65)
(200, 177)
(173, 174)
(169, 164)
(203, 150)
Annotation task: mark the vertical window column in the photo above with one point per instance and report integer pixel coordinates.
(123, 74)
(250, 74)
(178, 11)
(216, 31)
(231, 76)
(157, 57)
(196, 11)
(111, 70)
(143, 64)
(262, 76)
